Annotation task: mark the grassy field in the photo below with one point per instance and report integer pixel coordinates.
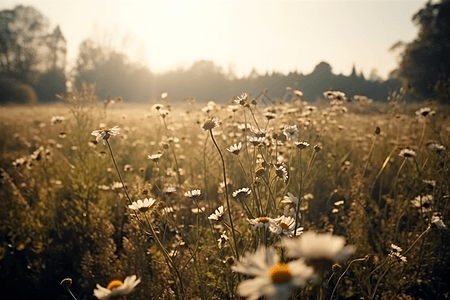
(220, 215)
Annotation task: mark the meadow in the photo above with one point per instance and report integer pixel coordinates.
(344, 198)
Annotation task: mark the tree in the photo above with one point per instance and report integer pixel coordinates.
(30, 53)
(426, 60)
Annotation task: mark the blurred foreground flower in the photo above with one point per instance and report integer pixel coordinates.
(105, 133)
(116, 287)
(272, 278)
(320, 250)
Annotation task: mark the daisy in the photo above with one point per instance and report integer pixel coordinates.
(407, 153)
(210, 124)
(57, 119)
(241, 100)
(116, 287)
(194, 194)
(291, 132)
(423, 202)
(142, 206)
(105, 133)
(261, 222)
(241, 193)
(319, 250)
(285, 226)
(396, 254)
(424, 111)
(281, 172)
(270, 115)
(301, 145)
(222, 240)
(436, 220)
(272, 279)
(235, 149)
(218, 214)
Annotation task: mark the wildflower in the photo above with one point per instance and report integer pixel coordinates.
(424, 111)
(285, 226)
(194, 194)
(242, 100)
(436, 147)
(436, 220)
(128, 168)
(116, 287)
(142, 206)
(281, 172)
(261, 222)
(241, 193)
(66, 283)
(256, 141)
(407, 153)
(235, 149)
(218, 214)
(260, 172)
(210, 124)
(396, 255)
(319, 250)
(105, 133)
(233, 108)
(57, 119)
(223, 238)
(291, 132)
(271, 278)
(318, 147)
(290, 200)
(423, 202)
(301, 145)
(269, 115)
(169, 190)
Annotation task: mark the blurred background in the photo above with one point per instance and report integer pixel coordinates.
(212, 50)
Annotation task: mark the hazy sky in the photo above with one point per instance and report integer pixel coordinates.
(275, 35)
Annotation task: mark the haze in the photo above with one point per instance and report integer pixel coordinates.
(280, 36)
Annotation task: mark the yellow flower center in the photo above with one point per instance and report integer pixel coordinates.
(280, 273)
(263, 220)
(284, 226)
(114, 284)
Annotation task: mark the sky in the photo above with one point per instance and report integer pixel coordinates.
(277, 35)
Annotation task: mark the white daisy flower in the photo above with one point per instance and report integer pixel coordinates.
(222, 240)
(242, 192)
(105, 133)
(436, 220)
(272, 279)
(235, 149)
(291, 132)
(193, 194)
(142, 206)
(407, 153)
(218, 214)
(116, 288)
(155, 157)
(423, 203)
(319, 250)
(261, 222)
(285, 226)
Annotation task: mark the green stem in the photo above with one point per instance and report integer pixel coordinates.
(226, 193)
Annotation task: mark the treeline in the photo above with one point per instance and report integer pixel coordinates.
(33, 68)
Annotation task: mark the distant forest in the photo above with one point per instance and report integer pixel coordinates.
(33, 68)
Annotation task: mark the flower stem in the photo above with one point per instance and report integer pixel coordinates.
(226, 193)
